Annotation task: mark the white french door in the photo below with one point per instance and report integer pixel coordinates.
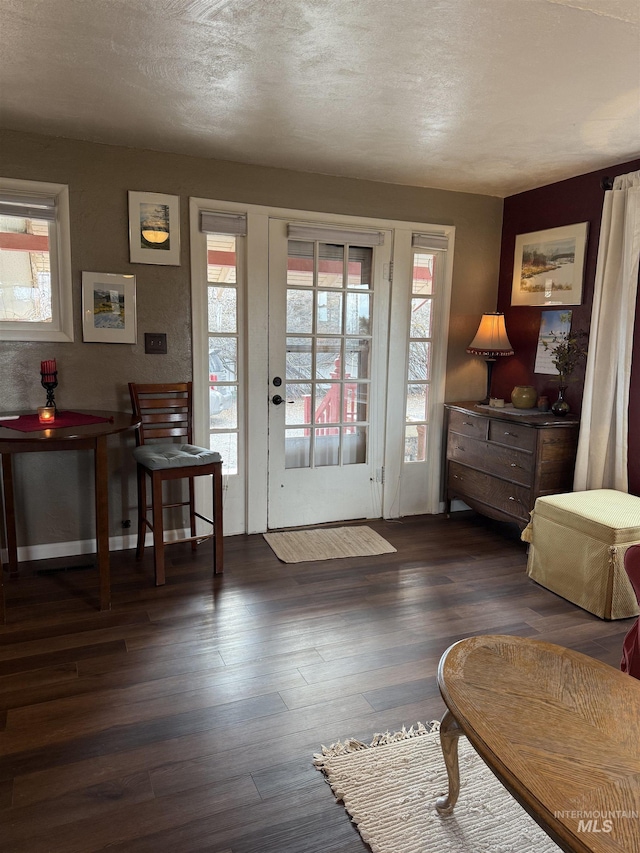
(328, 321)
(305, 311)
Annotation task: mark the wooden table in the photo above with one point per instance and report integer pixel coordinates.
(87, 437)
(560, 730)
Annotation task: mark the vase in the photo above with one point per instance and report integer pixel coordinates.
(561, 407)
(524, 397)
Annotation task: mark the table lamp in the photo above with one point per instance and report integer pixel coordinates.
(491, 341)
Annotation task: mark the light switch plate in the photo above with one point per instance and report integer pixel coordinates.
(155, 343)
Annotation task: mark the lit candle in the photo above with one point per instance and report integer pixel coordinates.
(46, 414)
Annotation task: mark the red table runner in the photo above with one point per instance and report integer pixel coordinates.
(30, 423)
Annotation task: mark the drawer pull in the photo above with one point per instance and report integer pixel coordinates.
(468, 423)
(506, 432)
(515, 465)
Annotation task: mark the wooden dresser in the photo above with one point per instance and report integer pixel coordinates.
(498, 463)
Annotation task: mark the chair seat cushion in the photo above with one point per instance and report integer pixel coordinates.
(159, 456)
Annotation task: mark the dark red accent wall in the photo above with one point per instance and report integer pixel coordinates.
(565, 203)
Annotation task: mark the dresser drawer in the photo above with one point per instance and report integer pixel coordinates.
(475, 485)
(515, 435)
(494, 459)
(467, 424)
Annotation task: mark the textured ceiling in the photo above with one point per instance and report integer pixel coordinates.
(485, 96)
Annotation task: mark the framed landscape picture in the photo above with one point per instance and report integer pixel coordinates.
(548, 266)
(154, 228)
(108, 308)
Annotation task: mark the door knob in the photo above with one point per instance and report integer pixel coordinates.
(277, 400)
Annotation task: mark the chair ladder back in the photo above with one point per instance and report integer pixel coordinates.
(165, 410)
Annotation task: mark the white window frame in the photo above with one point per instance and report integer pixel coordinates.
(61, 327)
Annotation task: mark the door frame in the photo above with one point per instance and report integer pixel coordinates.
(254, 386)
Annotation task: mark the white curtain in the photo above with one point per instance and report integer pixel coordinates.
(603, 442)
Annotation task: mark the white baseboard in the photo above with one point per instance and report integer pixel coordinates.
(86, 546)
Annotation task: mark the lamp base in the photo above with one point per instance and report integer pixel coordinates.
(490, 363)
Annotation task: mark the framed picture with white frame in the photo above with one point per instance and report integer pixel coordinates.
(108, 308)
(154, 228)
(548, 266)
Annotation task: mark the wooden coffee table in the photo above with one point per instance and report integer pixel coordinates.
(560, 730)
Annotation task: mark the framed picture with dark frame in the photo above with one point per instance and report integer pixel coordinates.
(548, 267)
(108, 308)
(154, 228)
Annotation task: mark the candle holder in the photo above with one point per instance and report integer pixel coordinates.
(46, 414)
(49, 382)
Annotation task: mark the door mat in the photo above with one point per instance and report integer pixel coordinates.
(327, 543)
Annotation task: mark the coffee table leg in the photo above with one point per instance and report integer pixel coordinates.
(450, 731)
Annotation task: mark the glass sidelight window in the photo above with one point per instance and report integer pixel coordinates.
(419, 361)
(329, 309)
(222, 326)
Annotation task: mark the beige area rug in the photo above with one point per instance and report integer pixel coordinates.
(327, 543)
(389, 788)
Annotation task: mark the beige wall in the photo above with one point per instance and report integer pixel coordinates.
(96, 375)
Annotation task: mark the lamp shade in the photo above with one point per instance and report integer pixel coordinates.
(491, 338)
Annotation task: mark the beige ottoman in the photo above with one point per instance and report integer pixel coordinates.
(577, 545)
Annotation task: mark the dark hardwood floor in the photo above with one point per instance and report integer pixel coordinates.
(186, 718)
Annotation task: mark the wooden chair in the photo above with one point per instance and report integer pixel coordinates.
(631, 647)
(166, 413)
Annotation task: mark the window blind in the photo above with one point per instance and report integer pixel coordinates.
(223, 223)
(28, 207)
(327, 234)
(430, 242)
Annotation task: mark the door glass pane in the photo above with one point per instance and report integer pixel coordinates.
(359, 268)
(298, 361)
(356, 361)
(419, 360)
(330, 265)
(358, 314)
(329, 319)
(223, 359)
(356, 401)
(415, 443)
(298, 411)
(327, 403)
(226, 444)
(417, 402)
(420, 318)
(422, 274)
(327, 447)
(354, 445)
(297, 448)
(221, 259)
(300, 311)
(223, 407)
(222, 309)
(328, 363)
(300, 264)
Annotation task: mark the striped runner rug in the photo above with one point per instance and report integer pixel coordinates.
(389, 788)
